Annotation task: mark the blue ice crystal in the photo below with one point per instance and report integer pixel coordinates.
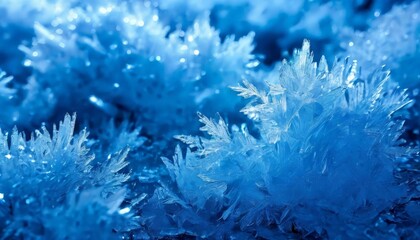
(314, 148)
(328, 143)
(119, 60)
(393, 40)
(52, 176)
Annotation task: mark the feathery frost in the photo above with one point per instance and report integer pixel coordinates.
(322, 164)
(120, 60)
(51, 176)
(393, 40)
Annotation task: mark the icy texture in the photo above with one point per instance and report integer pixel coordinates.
(21, 104)
(47, 178)
(120, 61)
(323, 157)
(88, 215)
(393, 40)
(322, 164)
(13, 30)
(113, 138)
(16, 27)
(280, 24)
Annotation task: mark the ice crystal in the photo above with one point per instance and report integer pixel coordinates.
(318, 152)
(121, 61)
(39, 175)
(322, 165)
(377, 46)
(280, 24)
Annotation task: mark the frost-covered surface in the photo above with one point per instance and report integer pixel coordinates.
(326, 153)
(49, 188)
(322, 165)
(119, 61)
(393, 40)
(280, 24)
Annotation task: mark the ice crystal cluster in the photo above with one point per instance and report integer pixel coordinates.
(318, 165)
(50, 188)
(141, 65)
(394, 41)
(312, 148)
